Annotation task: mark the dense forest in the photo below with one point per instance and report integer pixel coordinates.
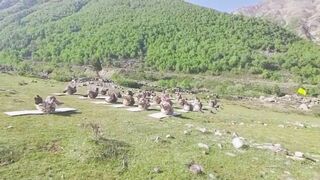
(166, 35)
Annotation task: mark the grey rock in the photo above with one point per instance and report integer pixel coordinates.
(203, 146)
(304, 107)
(157, 170)
(238, 142)
(196, 169)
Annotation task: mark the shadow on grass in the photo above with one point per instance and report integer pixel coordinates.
(8, 155)
(68, 114)
(184, 117)
(111, 149)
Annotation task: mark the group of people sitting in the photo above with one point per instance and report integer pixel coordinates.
(143, 99)
(48, 105)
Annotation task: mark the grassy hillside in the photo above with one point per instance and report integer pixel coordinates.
(164, 35)
(65, 147)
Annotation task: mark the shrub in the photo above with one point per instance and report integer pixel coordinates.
(125, 82)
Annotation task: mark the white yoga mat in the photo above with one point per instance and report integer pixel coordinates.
(38, 112)
(118, 106)
(101, 102)
(135, 109)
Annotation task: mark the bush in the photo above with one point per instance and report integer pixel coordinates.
(24, 69)
(62, 75)
(125, 82)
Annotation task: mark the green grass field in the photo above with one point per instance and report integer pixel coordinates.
(65, 147)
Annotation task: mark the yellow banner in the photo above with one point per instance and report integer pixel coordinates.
(302, 91)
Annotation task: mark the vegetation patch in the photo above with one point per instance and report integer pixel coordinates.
(8, 155)
(170, 36)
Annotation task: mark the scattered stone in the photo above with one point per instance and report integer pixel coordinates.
(235, 134)
(9, 127)
(300, 125)
(281, 126)
(203, 146)
(169, 137)
(296, 158)
(203, 130)
(269, 99)
(212, 177)
(195, 168)
(304, 107)
(238, 142)
(299, 154)
(276, 148)
(157, 170)
(187, 132)
(217, 133)
(241, 124)
(157, 139)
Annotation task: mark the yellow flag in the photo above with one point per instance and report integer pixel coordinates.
(302, 91)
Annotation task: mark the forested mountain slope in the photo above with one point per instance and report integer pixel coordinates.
(165, 34)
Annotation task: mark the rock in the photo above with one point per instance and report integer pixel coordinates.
(238, 142)
(217, 133)
(276, 148)
(219, 145)
(270, 100)
(203, 130)
(157, 139)
(300, 125)
(9, 127)
(234, 134)
(281, 126)
(241, 124)
(296, 158)
(303, 107)
(203, 146)
(299, 154)
(212, 177)
(187, 132)
(169, 137)
(196, 169)
(157, 170)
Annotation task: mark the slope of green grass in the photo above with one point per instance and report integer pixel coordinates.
(64, 146)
